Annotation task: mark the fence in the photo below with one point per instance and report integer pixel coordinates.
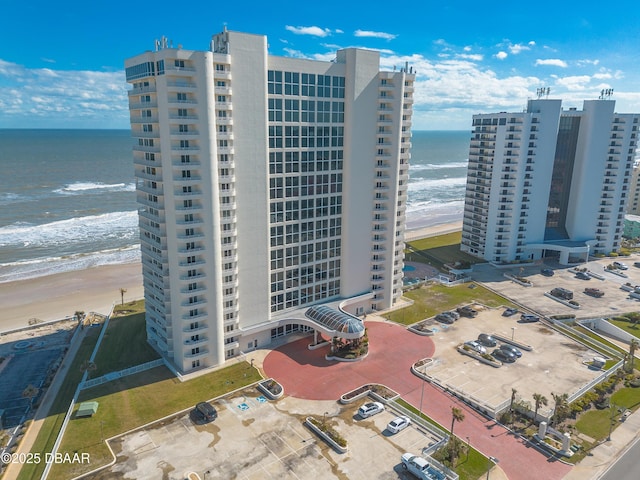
(122, 373)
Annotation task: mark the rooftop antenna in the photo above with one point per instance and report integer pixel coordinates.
(543, 92)
(605, 94)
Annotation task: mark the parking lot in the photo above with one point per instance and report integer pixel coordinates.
(556, 363)
(255, 439)
(613, 302)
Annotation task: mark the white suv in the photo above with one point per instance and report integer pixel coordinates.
(620, 265)
(369, 409)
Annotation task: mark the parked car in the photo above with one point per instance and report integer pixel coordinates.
(547, 272)
(443, 318)
(511, 349)
(636, 264)
(594, 292)
(207, 411)
(562, 293)
(455, 315)
(420, 467)
(467, 311)
(583, 276)
(509, 312)
(398, 423)
(503, 356)
(529, 318)
(370, 409)
(620, 265)
(476, 347)
(487, 340)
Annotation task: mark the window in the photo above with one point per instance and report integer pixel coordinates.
(274, 82)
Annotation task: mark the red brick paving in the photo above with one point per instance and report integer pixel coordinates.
(306, 374)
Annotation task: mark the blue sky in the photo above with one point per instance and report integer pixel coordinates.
(61, 63)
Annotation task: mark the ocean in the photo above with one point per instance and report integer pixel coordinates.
(67, 197)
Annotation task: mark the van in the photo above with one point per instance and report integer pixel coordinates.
(562, 293)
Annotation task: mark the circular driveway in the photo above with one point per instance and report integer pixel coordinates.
(306, 374)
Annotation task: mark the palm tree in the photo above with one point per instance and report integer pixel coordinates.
(88, 366)
(456, 416)
(632, 351)
(79, 315)
(513, 398)
(540, 400)
(560, 407)
(122, 292)
(30, 392)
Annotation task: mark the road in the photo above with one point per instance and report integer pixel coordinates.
(626, 468)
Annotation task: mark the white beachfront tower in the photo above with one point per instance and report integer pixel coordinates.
(265, 185)
(548, 181)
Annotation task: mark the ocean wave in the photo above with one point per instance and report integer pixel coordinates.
(120, 225)
(437, 166)
(429, 183)
(8, 197)
(39, 267)
(81, 187)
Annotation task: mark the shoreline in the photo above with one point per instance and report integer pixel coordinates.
(97, 289)
(59, 295)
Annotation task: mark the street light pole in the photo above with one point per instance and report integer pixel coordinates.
(468, 448)
(513, 333)
(421, 397)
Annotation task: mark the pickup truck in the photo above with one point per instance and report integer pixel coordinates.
(594, 292)
(421, 468)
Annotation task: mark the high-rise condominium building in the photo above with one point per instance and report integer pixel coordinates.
(266, 185)
(548, 182)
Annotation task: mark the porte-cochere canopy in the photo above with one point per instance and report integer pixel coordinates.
(340, 324)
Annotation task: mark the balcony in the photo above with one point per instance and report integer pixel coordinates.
(189, 342)
(201, 353)
(175, 85)
(137, 91)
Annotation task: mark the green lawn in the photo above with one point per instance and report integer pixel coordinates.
(438, 250)
(138, 399)
(124, 345)
(595, 423)
(628, 327)
(52, 424)
(432, 299)
(627, 397)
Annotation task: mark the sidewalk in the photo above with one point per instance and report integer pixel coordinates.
(26, 444)
(607, 453)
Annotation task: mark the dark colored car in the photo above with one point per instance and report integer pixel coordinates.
(207, 411)
(562, 293)
(487, 340)
(582, 276)
(509, 312)
(503, 356)
(594, 292)
(547, 272)
(528, 318)
(441, 317)
(467, 311)
(511, 349)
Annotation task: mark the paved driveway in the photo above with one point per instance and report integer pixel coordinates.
(306, 374)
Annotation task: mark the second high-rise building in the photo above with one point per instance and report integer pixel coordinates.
(266, 185)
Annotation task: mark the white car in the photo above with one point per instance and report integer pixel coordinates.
(476, 347)
(369, 409)
(398, 423)
(420, 467)
(620, 265)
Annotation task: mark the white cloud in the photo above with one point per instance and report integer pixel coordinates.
(574, 82)
(602, 76)
(67, 98)
(501, 55)
(531, 43)
(315, 31)
(467, 48)
(586, 61)
(339, 31)
(369, 33)
(554, 62)
(476, 57)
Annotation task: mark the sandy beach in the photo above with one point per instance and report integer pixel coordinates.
(56, 296)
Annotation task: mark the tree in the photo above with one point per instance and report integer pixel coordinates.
(456, 416)
(540, 400)
(513, 398)
(79, 315)
(561, 407)
(30, 392)
(632, 352)
(122, 292)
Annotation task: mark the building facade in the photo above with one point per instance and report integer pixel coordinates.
(265, 185)
(548, 182)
